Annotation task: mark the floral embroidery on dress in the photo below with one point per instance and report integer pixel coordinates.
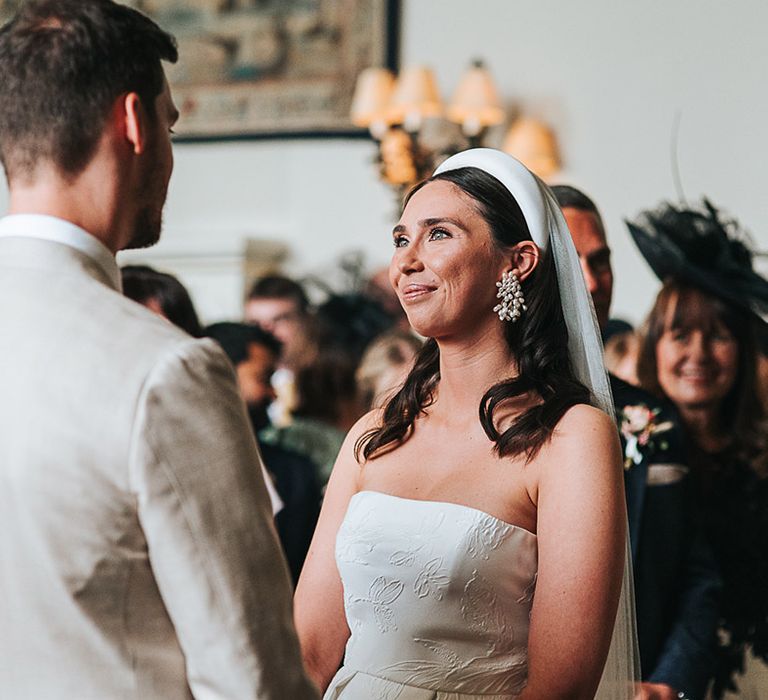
(431, 580)
(354, 545)
(481, 609)
(382, 593)
(417, 540)
(484, 614)
(485, 535)
(404, 557)
(640, 430)
(487, 674)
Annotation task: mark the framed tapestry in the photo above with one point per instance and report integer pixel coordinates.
(269, 68)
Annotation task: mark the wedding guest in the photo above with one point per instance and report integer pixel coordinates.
(472, 538)
(676, 582)
(621, 343)
(385, 365)
(614, 326)
(327, 406)
(255, 353)
(162, 293)
(280, 306)
(350, 322)
(137, 555)
(700, 352)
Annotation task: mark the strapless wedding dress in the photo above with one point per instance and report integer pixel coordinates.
(437, 598)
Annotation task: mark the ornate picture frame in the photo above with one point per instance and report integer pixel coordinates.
(269, 68)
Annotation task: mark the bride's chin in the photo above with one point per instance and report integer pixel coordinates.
(431, 330)
(425, 326)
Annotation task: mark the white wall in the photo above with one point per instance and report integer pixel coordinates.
(608, 75)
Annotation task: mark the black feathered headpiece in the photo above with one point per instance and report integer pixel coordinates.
(701, 248)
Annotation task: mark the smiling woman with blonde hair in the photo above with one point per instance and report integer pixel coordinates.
(384, 366)
(700, 352)
(473, 534)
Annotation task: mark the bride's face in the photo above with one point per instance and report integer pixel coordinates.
(445, 265)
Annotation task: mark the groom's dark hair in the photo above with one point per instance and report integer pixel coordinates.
(62, 65)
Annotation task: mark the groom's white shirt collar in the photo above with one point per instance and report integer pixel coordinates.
(51, 228)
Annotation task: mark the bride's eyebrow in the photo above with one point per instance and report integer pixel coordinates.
(426, 223)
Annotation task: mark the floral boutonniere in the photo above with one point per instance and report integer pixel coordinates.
(640, 430)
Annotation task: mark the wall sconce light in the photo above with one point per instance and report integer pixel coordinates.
(395, 110)
(533, 144)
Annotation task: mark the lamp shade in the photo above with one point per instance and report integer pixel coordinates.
(533, 144)
(372, 95)
(415, 97)
(475, 103)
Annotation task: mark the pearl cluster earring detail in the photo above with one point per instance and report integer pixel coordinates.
(511, 294)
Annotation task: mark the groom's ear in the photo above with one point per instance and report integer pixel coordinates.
(524, 258)
(134, 120)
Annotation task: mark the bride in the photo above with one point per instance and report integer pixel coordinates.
(473, 535)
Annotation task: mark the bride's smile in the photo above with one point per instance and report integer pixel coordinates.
(414, 292)
(445, 262)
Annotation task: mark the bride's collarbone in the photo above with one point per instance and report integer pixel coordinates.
(461, 471)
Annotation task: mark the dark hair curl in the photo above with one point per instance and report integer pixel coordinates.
(539, 341)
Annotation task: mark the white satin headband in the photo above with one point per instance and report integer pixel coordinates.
(523, 185)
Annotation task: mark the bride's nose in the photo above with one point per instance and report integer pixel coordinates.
(409, 260)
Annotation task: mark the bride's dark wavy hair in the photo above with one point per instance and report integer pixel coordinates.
(539, 341)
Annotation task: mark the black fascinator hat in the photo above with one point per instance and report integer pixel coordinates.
(705, 250)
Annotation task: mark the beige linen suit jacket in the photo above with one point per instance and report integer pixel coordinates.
(137, 555)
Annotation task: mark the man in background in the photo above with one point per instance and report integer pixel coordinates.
(254, 354)
(676, 583)
(137, 555)
(280, 306)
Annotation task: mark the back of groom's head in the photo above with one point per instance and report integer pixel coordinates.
(63, 64)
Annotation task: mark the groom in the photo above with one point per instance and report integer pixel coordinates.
(676, 584)
(137, 554)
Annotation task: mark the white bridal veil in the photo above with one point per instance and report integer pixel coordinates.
(548, 230)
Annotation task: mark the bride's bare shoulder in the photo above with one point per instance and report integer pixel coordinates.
(585, 432)
(582, 462)
(581, 419)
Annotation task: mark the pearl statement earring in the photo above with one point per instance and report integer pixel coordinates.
(511, 294)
